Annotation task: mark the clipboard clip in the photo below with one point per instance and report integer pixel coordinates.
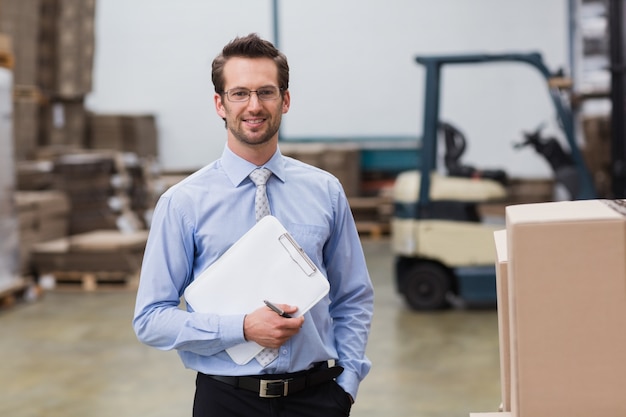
(297, 254)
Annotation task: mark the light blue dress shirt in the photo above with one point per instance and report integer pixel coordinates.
(198, 219)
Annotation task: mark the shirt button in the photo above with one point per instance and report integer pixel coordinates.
(284, 351)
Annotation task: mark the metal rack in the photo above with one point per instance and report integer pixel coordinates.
(598, 67)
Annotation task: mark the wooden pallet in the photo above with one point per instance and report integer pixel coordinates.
(92, 281)
(372, 215)
(373, 230)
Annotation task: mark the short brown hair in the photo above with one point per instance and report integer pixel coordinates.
(251, 46)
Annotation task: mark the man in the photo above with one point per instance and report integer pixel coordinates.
(198, 219)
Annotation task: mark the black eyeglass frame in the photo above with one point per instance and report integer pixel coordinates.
(226, 93)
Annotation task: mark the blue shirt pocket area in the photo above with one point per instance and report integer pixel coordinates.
(311, 238)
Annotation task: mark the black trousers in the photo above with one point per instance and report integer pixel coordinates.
(217, 399)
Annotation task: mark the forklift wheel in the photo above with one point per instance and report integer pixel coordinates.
(426, 286)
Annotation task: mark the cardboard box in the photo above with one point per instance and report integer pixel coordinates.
(64, 122)
(136, 133)
(99, 250)
(42, 216)
(19, 20)
(502, 290)
(567, 295)
(25, 122)
(106, 131)
(34, 175)
(140, 135)
(44, 205)
(66, 46)
(341, 160)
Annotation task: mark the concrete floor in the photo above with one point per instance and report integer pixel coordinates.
(75, 355)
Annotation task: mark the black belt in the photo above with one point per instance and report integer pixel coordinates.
(284, 384)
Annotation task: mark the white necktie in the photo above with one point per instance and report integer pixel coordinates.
(261, 209)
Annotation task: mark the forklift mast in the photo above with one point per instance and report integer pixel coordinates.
(433, 65)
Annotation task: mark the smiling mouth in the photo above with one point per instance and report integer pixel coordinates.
(254, 122)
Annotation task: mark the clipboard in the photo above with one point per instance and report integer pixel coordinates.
(266, 263)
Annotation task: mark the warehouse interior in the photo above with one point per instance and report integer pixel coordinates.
(457, 330)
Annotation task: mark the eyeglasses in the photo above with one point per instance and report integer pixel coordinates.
(239, 95)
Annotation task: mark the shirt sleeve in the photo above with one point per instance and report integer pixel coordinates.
(166, 270)
(352, 297)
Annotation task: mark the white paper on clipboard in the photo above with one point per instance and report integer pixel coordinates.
(266, 263)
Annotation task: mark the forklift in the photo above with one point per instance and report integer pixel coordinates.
(444, 252)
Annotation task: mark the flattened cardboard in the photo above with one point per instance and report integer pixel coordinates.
(502, 290)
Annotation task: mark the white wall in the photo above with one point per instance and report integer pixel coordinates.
(349, 59)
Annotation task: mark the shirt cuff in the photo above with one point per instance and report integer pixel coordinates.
(231, 329)
(349, 381)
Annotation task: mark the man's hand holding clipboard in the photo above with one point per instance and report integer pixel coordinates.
(273, 320)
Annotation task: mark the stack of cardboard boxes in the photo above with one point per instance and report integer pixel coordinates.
(561, 276)
(61, 188)
(54, 44)
(86, 180)
(66, 49)
(19, 20)
(124, 132)
(99, 240)
(65, 67)
(341, 160)
(92, 259)
(96, 188)
(135, 136)
(26, 123)
(42, 216)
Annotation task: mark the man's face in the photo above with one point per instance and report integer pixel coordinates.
(253, 122)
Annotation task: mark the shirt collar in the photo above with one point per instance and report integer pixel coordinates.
(237, 169)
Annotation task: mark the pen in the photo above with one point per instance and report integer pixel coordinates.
(277, 309)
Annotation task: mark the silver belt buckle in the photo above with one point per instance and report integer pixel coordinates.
(265, 382)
